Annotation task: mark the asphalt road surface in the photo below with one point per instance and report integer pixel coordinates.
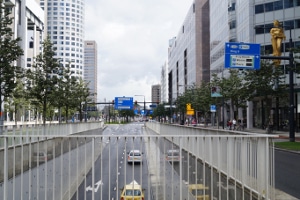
(287, 172)
(111, 170)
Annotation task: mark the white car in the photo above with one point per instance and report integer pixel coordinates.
(135, 156)
(173, 156)
(41, 157)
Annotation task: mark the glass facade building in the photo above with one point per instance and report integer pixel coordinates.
(90, 67)
(188, 54)
(250, 21)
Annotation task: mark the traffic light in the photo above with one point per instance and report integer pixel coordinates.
(135, 103)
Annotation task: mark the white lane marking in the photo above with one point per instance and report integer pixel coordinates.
(89, 188)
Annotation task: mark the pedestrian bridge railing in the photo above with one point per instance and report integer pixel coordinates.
(93, 164)
(243, 159)
(25, 130)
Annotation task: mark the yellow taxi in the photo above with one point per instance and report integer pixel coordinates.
(200, 191)
(132, 191)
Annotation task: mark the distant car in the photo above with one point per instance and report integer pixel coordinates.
(132, 191)
(199, 191)
(41, 157)
(173, 156)
(135, 156)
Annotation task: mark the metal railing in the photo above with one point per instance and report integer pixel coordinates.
(94, 165)
(243, 159)
(24, 131)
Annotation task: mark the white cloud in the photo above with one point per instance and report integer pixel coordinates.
(132, 38)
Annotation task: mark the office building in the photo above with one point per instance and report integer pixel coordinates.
(164, 83)
(156, 93)
(65, 26)
(90, 67)
(188, 55)
(238, 21)
(27, 24)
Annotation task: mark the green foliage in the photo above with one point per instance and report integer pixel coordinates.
(126, 114)
(159, 111)
(82, 94)
(10, 51)
(66, 84)
(267, 84)
(42, 81)
(202, 101)
(237, 87)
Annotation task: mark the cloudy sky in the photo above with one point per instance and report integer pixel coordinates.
(132, 38)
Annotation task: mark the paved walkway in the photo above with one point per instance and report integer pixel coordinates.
(283, 135)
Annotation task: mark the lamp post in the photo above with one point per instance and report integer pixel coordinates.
(291, 85)
(140, 95)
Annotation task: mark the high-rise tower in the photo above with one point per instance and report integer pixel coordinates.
(64, 24)
(90, 67)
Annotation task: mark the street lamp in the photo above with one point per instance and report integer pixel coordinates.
(140, 95)
(291, 84)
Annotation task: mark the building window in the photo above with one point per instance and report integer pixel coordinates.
(288, 24)
(231, 7)
(259, 9)
(288, 3)
(278, 5)
(297, 23)
(31, 44)
(269, 7)
(232, 24)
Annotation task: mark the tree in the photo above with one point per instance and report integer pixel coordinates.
(42, 79)
(126, 114)
(203, 99)
(18, 101)
(80, 96)
(266, 84)
(66, 90)
(10, 51)
(159, 112)
(232, 90)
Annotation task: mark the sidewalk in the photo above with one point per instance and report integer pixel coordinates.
(283, 135)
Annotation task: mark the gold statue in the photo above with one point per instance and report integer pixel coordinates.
(277, 34)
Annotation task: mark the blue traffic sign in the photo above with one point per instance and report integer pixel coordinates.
(213, 108)
(242, 55)
(123, 103)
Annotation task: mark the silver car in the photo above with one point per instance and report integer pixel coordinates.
(173, 156)
(135, 156)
